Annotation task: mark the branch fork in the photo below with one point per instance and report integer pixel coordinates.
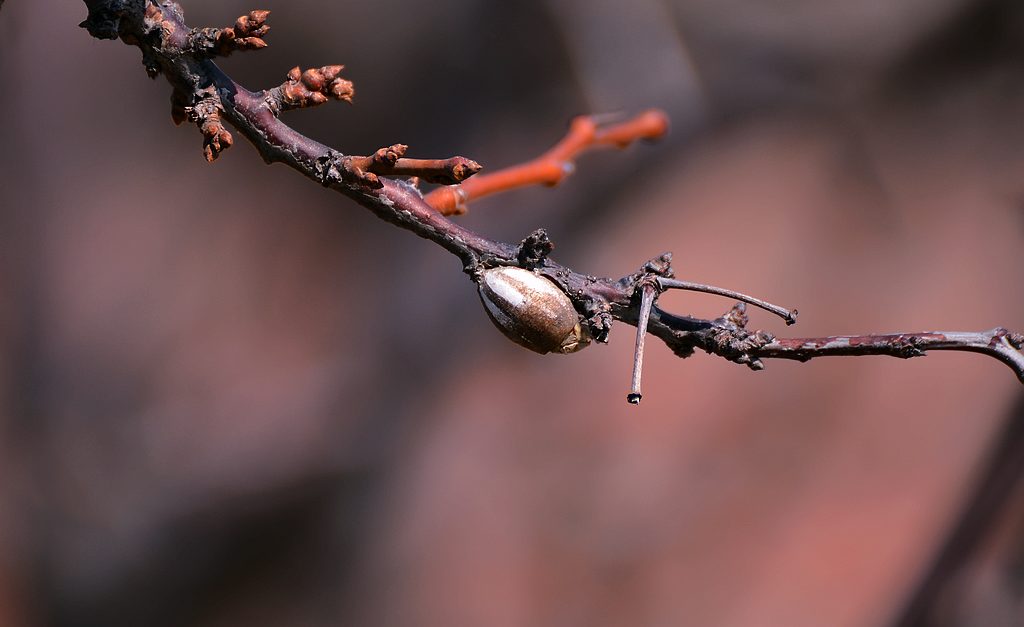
(204, 94)
(728, 336)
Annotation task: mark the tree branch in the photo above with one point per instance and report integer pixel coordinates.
(999, 343)
(585, 133)
(205, 95)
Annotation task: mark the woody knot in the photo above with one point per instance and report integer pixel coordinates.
(534, 249)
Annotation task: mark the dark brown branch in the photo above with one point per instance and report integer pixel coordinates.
(207, 95)
(998, 343)
(728, 338)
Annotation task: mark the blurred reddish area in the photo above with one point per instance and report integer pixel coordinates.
(229, 397)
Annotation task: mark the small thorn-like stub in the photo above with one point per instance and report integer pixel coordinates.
(660, 266)
(246, 34)
(312, 87)
(648, 292)
(634, 399)
(534, 249)
(1016, 340)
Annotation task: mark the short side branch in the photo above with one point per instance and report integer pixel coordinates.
(789, 315)
(246, 34)
(585, 133)
(391, 161)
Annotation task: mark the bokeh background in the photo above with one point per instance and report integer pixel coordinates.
(217, 409)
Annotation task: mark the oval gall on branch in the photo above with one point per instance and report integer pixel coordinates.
(531, 311)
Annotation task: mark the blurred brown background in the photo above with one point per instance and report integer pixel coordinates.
(216, 411)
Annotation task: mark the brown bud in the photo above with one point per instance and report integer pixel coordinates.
(389, 156)
(251, 43)
(313, 79)
(331, 72)
(342, 89)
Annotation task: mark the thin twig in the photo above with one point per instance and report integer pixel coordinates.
(585, 133)
(391, 161)
(789, 315)
(647, 294)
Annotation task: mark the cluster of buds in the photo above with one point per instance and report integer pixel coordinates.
(246, 34)
(315, 86)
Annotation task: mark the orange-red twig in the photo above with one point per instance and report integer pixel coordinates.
(585, 133)
(391, 161)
